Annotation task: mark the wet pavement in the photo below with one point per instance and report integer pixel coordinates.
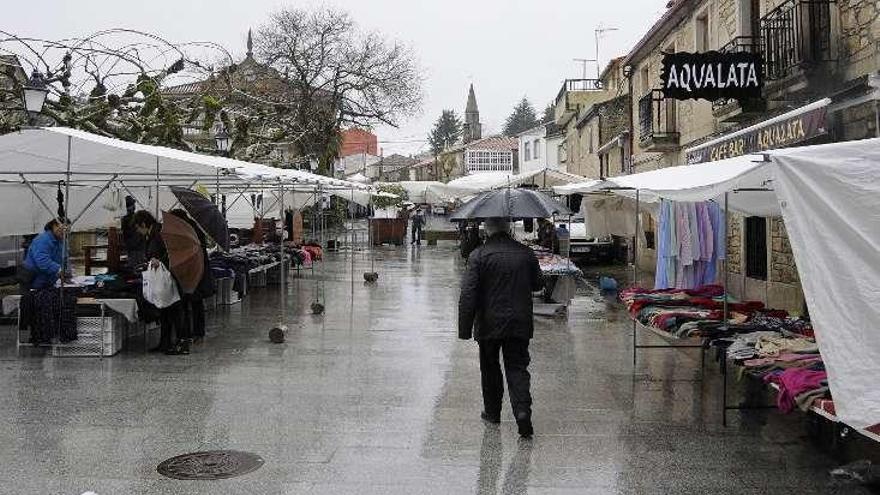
(378, 396)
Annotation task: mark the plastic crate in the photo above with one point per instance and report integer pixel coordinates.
(90, 341)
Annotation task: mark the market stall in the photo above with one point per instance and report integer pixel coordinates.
(827, 196)
(85, 170)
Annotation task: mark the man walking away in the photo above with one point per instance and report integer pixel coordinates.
(418, 222)
(495, 307)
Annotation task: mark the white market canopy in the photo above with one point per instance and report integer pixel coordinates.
(43, 153)
(103, 169)
(486, 181)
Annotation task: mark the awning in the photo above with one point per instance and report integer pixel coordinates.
(747, 178)
(784, 130)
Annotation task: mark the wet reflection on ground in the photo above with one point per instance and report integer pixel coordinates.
(379, 396)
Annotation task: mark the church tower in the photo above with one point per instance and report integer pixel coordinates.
(472, 128)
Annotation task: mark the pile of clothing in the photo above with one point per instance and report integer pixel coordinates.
(553, 264)
(691, 312)
(787, 358)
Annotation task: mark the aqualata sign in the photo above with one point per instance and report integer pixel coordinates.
(712, 75)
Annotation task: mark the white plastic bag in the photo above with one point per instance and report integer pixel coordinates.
(159, 288)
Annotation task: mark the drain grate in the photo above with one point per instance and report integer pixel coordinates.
(210, 465)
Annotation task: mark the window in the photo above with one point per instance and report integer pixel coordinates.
(645, 80)
(488, 161)
(536, 149)
(701, 32)
(756, 247)
(527, 153)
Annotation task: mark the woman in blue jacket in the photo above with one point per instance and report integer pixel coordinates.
(45, 256)
(42, 310)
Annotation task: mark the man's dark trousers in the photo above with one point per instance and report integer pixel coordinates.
(516, 362)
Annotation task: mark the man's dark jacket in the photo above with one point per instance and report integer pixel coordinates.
(496, 292)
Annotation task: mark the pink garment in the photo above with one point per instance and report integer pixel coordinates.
(707, 235)
(685, 248)
(793, 382)
(307, 257)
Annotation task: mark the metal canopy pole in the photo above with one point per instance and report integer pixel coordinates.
(65, 252)
(90, 203)
(157, 187)
(282, 272)
(635, 276)
(39, 198)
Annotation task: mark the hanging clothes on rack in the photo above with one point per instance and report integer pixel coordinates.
(690, 244)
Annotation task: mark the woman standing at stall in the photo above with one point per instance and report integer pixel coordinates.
(170, 317)
(43, 266)
(194, 304)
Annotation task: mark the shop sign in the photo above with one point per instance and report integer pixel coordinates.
(780, 134)
(712, 76)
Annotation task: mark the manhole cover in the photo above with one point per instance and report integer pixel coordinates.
(210, 465)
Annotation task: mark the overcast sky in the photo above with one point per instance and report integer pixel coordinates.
(507, 48)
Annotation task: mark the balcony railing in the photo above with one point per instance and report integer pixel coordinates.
(740, 44)
(657, 122)
(578, 85)
(796, 34)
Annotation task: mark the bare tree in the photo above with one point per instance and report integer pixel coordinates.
(341, 76)
(107, 83)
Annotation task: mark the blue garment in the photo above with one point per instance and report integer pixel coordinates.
(661, 280)
(44, 258)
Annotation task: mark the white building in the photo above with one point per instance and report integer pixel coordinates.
(539, 148)
(492, 154)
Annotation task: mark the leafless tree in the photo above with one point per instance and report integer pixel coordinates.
(341, 75)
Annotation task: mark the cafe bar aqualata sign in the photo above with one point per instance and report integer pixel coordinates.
(712, 76)
(774, 134)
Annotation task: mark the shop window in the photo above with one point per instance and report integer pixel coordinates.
(701, 32)
(756, 248)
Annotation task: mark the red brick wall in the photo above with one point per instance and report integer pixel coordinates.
(356, 141)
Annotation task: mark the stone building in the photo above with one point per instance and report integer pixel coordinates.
(820, 62)
(591, 113)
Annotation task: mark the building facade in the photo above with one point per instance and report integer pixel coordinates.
(539, 148)
(358, 141)
(820, 62)
(589, 114)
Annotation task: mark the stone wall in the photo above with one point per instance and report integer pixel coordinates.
(782, 265)
(859, 32)
(735, 243)
(859, 122)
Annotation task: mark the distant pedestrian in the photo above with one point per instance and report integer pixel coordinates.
(495, 307)
(470, 238)
(418, 223)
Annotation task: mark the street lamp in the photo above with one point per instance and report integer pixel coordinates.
(34, 93)
(223, 141)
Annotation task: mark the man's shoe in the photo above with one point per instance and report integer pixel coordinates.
(524, 424)
(492, 419)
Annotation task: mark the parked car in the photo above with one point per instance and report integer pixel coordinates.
(587, 250)
(439, 209)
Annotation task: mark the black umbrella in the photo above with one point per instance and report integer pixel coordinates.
(510, 203)
(205, 213)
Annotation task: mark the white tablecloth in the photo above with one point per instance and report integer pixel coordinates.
(125, 307)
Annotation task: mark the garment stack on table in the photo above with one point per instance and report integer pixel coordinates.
(238, 262)
(553, 264)
(684, 313)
